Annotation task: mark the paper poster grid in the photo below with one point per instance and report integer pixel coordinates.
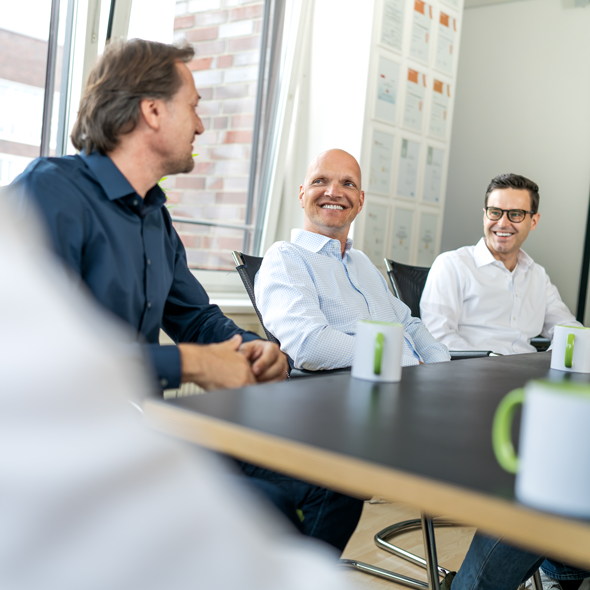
(392, 30)
(387, 89)
(415, 99)
(453, 3)
(433, 174)
(428, 238)
(408, 160)
(421, 31)
(447, 35)
(440, 98)
(376, 229)
(403, 229)
(380, 154)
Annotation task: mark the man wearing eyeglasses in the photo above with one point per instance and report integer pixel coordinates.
(493, 296)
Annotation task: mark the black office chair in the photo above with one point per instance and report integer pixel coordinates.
(247, 267)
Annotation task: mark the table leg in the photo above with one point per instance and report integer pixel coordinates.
(430, 552)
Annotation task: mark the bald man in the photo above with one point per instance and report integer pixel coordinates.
(313, 290)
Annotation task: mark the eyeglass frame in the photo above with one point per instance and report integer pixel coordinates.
(508, 211)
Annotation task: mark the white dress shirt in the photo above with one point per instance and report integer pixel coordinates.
(311, 299)
(471, 301)
(90, 498)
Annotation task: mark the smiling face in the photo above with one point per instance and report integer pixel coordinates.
(504, 238)
(331, 194)
(180, 125)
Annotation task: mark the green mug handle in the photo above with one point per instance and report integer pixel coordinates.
(569, 350)
(502, 428)
(378, 353)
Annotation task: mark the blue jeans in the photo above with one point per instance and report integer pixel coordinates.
(327, 515)
(491, 564)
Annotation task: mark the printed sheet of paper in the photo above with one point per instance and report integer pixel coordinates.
(447, 30)
(433, 175)
(375, 233)
(427, 236)
(381, 160)
(421, 35)
(440, 109)
(392, 23)
(453, 3)
(414, 105)
(387, 88)
(401, 239)
(407, 174)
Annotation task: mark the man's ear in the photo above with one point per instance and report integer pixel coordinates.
(150, 111)
(301, 195)
(534, 220)
(361, 201)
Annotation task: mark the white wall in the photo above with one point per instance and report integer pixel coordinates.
(523, 105)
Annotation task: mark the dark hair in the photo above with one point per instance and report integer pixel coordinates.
(517, 182)
(127, 73)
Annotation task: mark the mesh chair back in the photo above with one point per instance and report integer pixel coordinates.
(407, 283)
(247, 267)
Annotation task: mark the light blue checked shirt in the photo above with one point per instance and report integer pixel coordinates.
(311, 299)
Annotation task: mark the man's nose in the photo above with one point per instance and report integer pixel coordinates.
(199, 126)
(334, 189)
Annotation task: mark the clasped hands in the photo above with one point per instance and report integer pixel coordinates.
(232, 363)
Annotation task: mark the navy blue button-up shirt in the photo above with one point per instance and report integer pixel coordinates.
(126, 251)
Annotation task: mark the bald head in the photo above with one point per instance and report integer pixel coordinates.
(335, 159)
(331, 194)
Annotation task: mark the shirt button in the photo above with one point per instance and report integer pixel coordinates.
(164, 382)
(149, 304)
(149, 261)
(136, 202)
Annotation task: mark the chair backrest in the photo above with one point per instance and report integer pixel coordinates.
(247, 267)
(407, 283)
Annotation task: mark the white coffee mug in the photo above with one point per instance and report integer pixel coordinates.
(570, 349)
(553, 470)
(378, 351)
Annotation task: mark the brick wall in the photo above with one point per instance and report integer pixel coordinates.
(226, 38)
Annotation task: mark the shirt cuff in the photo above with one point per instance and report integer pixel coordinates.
(166, 363)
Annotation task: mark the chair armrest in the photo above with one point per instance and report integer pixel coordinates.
(457, 355)
(540, 343)
(300, 373)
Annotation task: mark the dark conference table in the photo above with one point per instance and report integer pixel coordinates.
(424, 442)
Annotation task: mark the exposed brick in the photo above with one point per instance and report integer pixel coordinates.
(204, 63)
(226, 198)
(206, 93)
(237, 137)
(196, 258)
(247, 58)
(229, 243)
(204, 168)
(184, 22)
(231, 91)
(244, 44)
(220, 122)
(229, 167)
(186, 229)
(227, 213)
(199, 197)
(209, 107)
(225, 61)
(238, 121)
(214, 183)
(244, 12)
(221, 260)
(205, 19)
(230, 152)
(236, 29)
(192, 241)
(257, 26)
(242, 105)
(180, 8)
(203, 34)
(206, 122)
(193, 182)
(203, 5)
(241, 74)
(174, 196)
(209, 47)
(236, 183)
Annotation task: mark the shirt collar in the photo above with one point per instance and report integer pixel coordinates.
(483, 256)
(316, 242)
(112, 181)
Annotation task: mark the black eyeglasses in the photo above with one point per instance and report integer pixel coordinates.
(514, 215)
